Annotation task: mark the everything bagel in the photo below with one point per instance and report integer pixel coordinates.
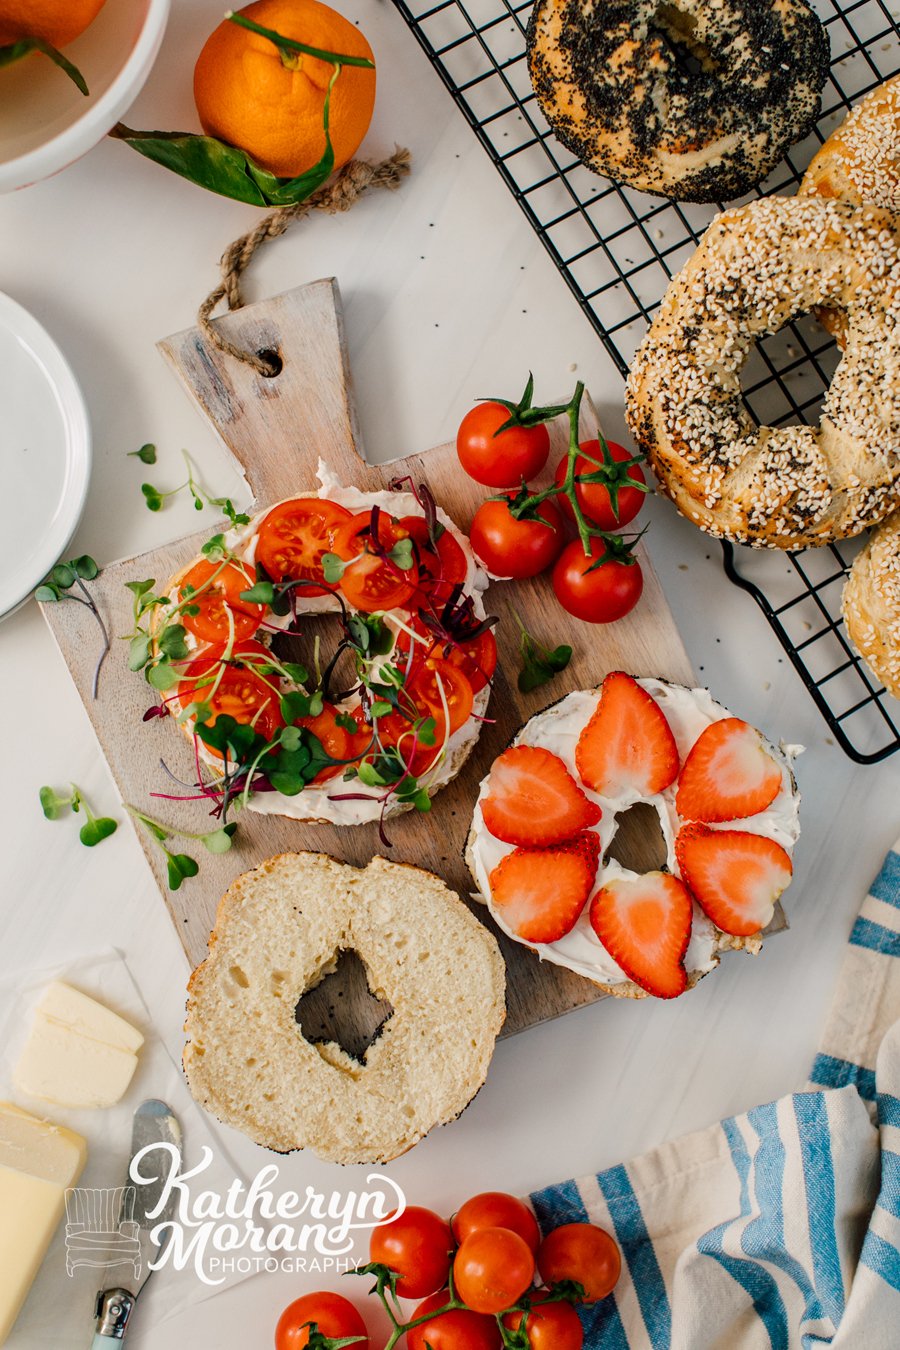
(697, 101)
(757, 267)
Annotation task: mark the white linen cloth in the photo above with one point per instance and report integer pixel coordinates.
(779, 1228)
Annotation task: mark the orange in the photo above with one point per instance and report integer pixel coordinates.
(58, 22)
(247, 96)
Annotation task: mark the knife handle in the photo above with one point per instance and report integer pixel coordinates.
(113, 1311)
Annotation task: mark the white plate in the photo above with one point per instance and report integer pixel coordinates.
(45, 123)
(45, 453)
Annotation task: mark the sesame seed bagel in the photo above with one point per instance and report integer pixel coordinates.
(860, 162)
(757, 267)
(871, 603)
(280, 930)
(696, 102)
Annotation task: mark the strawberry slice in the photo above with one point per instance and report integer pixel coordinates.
(728, 774)
(735, 876)
(532, 799)
(627, 746)
(540, 892)
(645, 925)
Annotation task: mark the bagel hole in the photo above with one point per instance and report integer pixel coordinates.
(677, 32)
(805, 356)
(639, 844)
(342, 1010)
(300, 647)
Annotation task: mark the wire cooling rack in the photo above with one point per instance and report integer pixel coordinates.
(618, 248)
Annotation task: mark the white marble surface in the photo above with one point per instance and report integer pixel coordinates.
(448, 296)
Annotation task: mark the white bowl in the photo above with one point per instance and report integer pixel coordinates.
(45, 122)
(45, 447)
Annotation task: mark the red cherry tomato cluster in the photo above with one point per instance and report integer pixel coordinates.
(522, 533)
(488, 1267)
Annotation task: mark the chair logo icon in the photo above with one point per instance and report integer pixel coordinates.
(101, 1229)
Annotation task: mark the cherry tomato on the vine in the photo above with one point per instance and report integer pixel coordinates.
(500, 460)
(220, 609)
(332, 1314)
(595, 499)
(456, 1330)
(495, 1209)
(418, 1244)
(492, 1268)
(549, 1326)
(594, 590)
(584, 1253)
(516, 548)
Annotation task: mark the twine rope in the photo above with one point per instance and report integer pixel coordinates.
(351, 183)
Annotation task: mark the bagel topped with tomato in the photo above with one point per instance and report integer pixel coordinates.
(294, 722)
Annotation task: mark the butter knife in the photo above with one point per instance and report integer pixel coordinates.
(154, 1123)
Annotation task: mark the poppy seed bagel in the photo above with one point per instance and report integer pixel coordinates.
(697, 101)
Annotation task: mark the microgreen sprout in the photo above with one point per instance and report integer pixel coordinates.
(61, 582)
(155, 498)
(539, 664)
(180, 866)
(95, 828)
(146, 454)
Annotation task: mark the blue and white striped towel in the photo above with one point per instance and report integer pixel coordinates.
(779, 1228)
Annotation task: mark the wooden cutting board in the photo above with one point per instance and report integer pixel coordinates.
(278, 428)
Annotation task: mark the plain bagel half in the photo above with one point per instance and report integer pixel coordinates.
(279, 931)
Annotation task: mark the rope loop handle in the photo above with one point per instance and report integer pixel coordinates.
(351, 183)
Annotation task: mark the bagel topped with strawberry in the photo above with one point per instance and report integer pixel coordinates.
(291, 721)
(549, 809)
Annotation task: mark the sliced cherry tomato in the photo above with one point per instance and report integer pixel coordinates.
(492, 1268)
(516, 548)
(371, 582)
(216, 599)
(426, 684)
(336, 740)
(549, 1326)
(395, 729)
(495, 1209)
(442, 565)
(584, 1253)
(417, 1243)
(456, 1330)
(333, 1316)
(503, 460)
(475, 657)
(594, 498)
(234, 688)
(294, 536)
(597, 592)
